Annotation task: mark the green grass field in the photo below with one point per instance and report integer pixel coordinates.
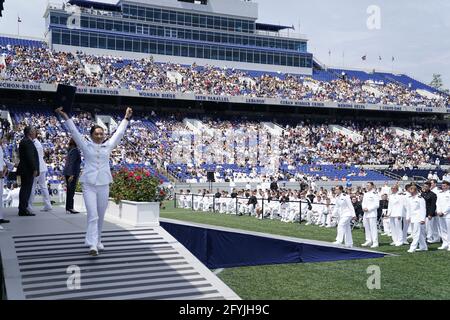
(421, 275)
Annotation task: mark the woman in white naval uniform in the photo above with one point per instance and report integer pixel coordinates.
(41, 180)
(96, 176)
(346, 212)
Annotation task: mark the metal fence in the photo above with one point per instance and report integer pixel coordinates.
(292, 210)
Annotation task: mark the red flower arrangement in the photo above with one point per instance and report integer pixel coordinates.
(137, 185)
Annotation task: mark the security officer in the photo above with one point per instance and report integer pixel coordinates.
(416, 215)
(443, 213)
(396, 213)
(346, 213)
(96, 176)
(430, 201)
(370, 204)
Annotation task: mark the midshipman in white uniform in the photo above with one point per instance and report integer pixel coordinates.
(346, 212)
(370, 204)
(41, 180)
(96, 176)
(416, 213)
(396, 213)
(443, 213)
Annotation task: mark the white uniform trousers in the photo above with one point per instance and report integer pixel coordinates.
(406, 226)
(41, 182)
(96, 202)
(419, 235)
(370, 227)
(443, 230)
(344, 231)
(387, 226)
(2, 181)
(396, 230)
(61, 195)
(431, 229)
(447, 222)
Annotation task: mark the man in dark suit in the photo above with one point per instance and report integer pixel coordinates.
(430, 203)
(71, 172)
(273, 185)
(27, 169)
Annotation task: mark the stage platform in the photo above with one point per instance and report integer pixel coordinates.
(220, 247)
(138, 263)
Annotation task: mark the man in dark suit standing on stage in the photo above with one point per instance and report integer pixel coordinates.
(71, 172)
(27, 169)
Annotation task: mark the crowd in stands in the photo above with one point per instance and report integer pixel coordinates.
(243, 150)
(379, 144)
(40, 64)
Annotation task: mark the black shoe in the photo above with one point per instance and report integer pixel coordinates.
(26, 214)
(71, 211)
(4, 221)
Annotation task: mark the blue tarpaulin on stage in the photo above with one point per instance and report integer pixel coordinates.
(224, 249)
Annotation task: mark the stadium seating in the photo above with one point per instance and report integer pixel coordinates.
(32, 62)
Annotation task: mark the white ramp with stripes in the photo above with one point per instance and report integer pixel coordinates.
(145, 263)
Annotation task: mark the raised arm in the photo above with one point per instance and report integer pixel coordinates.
(79, 140)
(118, 135)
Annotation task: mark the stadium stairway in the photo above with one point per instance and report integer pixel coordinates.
(41, 255)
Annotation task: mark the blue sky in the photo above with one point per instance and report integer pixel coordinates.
(416, 33)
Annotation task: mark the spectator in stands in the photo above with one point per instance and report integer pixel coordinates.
(47, 66)
(446, 176)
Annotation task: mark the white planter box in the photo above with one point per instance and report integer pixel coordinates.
(137, 214)
(78, 202)
(113, 209)
(140, 214)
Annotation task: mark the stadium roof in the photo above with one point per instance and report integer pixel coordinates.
(95, 5)
(271, 27)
